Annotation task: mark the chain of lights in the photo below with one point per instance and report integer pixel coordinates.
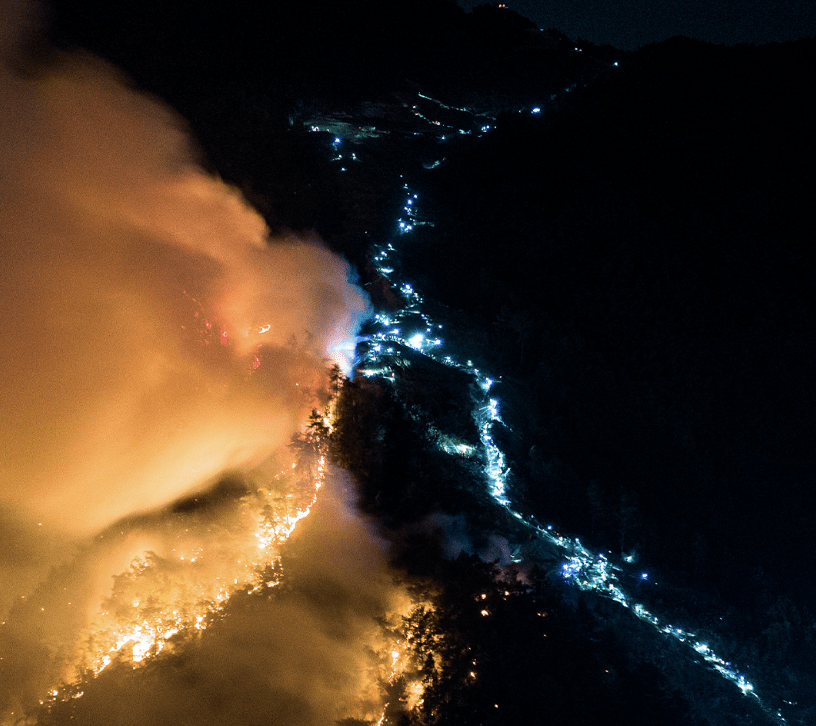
(412, 328)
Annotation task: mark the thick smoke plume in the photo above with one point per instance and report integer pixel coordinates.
(154, 338)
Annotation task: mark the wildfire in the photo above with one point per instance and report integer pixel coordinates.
(188, 603)
(160, 598)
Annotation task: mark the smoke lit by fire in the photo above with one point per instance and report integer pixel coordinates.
(159, 350)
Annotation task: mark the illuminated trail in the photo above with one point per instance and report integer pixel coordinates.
(412, 328)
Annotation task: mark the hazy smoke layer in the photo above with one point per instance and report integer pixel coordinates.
(153, 336)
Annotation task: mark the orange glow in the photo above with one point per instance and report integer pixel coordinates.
(157, 343)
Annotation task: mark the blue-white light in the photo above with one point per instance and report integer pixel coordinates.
(582, 568)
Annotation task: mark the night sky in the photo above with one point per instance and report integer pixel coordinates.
(629, 24)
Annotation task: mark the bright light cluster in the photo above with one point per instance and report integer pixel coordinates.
(412, 328)
(443, 106)
(595, 573)
(452, 445)
(496, 469)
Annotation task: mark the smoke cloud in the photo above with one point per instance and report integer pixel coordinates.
(153, 333)
(302, 653)
(154, 339)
